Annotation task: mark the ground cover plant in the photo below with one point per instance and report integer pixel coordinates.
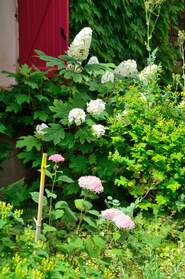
(114, 192)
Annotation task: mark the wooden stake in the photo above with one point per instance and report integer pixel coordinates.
(41, 194)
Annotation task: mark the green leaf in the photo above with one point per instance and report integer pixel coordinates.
(50, 194)
(41, 115)
(29, 142)
(116, 236)
(22, 98)
(2, 128)
(57, 214)
(94, 246)
(61, 204)
(61, 110)
(51, 61)
(79, 164)
(69, 215)
(82, 205)
(2, 224)
(65, 178)
(31, 84)
(47, 228)
(35, 198)
(90, 222)
(161, 199)
(55, 133)
(25, 70)
(48, 173)
(99, 242)
(94, 212)
(16, 192)
(174, 185)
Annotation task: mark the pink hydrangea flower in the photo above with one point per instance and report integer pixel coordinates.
(121, 220)
(92, 183)
(56, 158)
(110, 214)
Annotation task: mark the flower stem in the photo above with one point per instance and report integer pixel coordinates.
(52, 190)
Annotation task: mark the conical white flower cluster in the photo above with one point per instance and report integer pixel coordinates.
(148, 72)
(93, 60)
(79, 48)
(126, 68)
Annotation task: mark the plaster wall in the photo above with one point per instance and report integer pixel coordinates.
(8, 39)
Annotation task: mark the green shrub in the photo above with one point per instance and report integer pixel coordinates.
(147, 141)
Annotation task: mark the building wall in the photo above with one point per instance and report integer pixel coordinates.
(8, 39)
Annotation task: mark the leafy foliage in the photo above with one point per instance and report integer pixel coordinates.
(155, 247)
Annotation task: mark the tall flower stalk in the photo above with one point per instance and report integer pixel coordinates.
(55, 158)
(181, 43)
(152, 9)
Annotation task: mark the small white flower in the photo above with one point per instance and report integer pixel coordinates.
(96, 107)
(98, 130)
(148, 72)
(79, 48)
(93, 60)
(107, 76)
(40, 129)
(126, 68)
(77, 116)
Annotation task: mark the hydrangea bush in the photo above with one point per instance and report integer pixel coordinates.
(110, 121)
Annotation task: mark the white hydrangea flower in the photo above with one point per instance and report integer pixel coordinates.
(77, 116)
(148, 72)
(98, 130)
(40, 129)
(107, 76)
(126, 68)
(93, 60)
(96, 107)
(79, 48)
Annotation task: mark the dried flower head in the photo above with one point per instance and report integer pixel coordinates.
(79, 48)
(56, 158)
(96, 107)
(107, 76)
(76, 116)
(92, 183)
(126, 68)
(153, 4)
(121, 220)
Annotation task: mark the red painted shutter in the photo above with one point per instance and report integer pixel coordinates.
(43, 25)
